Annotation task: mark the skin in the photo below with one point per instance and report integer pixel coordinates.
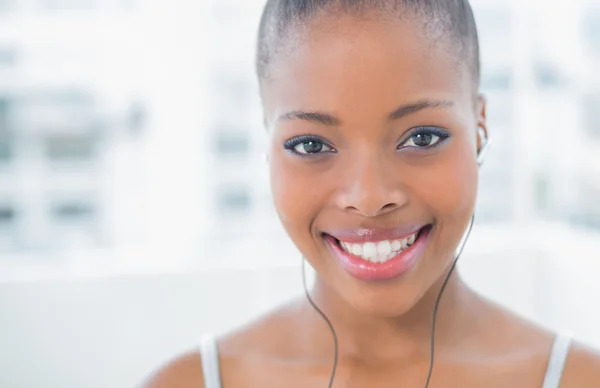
(358, 71)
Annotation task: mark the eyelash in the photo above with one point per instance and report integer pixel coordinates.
(440, 133)
(294, 142)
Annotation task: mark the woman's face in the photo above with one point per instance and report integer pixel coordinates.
(373, 139)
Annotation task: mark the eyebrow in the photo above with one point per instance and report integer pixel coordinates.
(402, 111)
(412, 108)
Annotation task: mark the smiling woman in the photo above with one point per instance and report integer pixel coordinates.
(376, 132)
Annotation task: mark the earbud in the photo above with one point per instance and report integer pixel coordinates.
(265, 158)
(485, 142)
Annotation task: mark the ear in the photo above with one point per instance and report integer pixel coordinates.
(481, 118)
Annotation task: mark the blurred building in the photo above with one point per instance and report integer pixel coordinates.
(65, 115)
(542, 112)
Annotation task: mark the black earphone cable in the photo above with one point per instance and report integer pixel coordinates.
(435, 310)
(322, 314)
(439, 298)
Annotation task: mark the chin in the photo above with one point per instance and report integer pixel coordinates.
(382, 301)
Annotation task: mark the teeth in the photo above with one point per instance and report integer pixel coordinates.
(369, 250)
(357, 250)
(379, 252)
(384, 248)
(404, 243)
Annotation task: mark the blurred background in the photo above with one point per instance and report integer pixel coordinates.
(135, 211)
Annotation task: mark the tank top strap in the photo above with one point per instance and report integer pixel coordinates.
(210, 361)
(557, 360)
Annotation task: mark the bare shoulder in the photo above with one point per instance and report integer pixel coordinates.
(257, 338)
(261, 335)
(184, 371)
(582, 369)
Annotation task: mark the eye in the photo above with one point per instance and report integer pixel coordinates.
(425, 138)
(307, 145)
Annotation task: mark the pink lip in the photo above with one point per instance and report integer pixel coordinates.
(367, 271)
(362, 235)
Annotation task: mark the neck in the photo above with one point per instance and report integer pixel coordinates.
(406, 336)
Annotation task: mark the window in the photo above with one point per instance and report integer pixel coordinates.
(6, 149)
(7, 5)
(6, 145)
(592, 29)
(8, 56)
(548, 76)
(232, 143)
(7, 215)
(542, 192)
(591, 115)
(499, 80)
(233, 199)
(136, 117)
(494, 33)
(72, 211)
(60, 148)
(69, 4)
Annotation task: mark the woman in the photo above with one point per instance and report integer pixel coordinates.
(376, 125)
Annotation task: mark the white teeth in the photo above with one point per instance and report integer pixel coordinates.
(384, 248)
(357, 250)
(369, 250)
(404, 244)
(379, 252)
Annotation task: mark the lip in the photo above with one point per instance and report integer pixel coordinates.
(372, 272)
(363, 235)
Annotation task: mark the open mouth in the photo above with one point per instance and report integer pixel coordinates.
(384, 250)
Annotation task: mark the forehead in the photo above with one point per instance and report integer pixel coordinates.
(341, 64)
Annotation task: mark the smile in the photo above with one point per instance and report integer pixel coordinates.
(380, 251)
(367, 257)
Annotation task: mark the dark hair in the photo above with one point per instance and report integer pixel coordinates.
(449, 20)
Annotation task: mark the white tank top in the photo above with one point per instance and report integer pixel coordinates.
(556, 362)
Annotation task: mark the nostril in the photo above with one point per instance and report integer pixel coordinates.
(376, 211)
(389, 206)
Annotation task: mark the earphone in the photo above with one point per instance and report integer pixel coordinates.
(485, 142)
(480, 158)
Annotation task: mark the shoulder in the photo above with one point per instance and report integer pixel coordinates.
(258, 339)
(184, 371)
(582, 369)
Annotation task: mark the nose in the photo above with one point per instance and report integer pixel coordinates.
(372, 188)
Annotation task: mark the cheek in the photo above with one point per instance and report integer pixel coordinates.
(453, 189)
(449, 187)
(450, 193)
(294, 194)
